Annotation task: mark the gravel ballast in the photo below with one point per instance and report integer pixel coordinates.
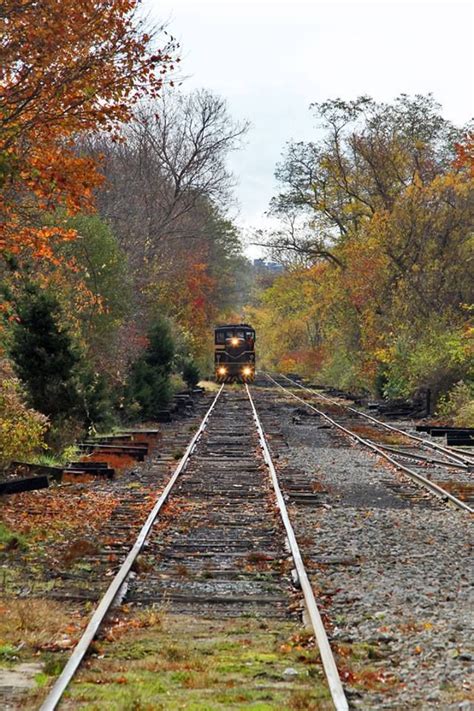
(390, 565)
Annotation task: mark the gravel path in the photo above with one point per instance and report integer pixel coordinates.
(392, 569)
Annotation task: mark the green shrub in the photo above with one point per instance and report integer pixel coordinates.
(191, 374)
(458, 405)
(435, 357)
(177, 383)
(149, 388)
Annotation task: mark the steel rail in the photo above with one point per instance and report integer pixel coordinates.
(458, 458)
(431, 486)
(325, 651)
(413, 455)
(97, 618)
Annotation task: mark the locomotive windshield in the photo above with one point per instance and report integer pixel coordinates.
(223, 334)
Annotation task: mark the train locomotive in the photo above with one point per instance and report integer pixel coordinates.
(234, 353)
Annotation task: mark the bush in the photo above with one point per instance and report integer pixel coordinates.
(458, 405)
(435, 357)
(160, 349)
(177, 383)
(343, 370)
(191, 374)
(21, 429)
(149, 389)
(96, 405)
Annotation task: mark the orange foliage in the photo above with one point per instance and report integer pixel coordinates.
(309, 358)
(200, 288)
(68, 67)
(465, 153)
(122, 623)
(192, 304)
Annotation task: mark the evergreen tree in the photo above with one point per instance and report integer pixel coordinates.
(149, 384)
(44, 356)
(58, 380)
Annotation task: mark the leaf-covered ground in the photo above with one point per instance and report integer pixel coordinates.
(42, 529)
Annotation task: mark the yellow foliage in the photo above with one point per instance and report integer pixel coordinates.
(21, 428)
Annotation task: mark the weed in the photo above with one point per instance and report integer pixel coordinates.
(10, 541)
(8, 653)
(52, 663)
(176, 654)
(49, 459)
(34, 623)
(42, 679)
(197, 680)
(304, 701)
(209, 385)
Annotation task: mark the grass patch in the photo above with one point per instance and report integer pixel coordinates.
(8, 653)
(48, 459)
(201, 665)
(36, 625)
(209, 385)
(9, 540)
(42, 679)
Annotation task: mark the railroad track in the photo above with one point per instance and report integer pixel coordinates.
(385, 553)
(222, 500)
(460, 459)
(442, 482)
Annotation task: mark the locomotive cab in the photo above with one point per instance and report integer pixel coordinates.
(234, 353)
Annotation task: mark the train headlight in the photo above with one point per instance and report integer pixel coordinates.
(247, 371)
(234, 341)
(222, 370)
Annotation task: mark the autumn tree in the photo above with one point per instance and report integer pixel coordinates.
(367, 157)
(65, 68)
(465, 153)
(378, 213)
(172, 164)
(95, 283)
(168, 189)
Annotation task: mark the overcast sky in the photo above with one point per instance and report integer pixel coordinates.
(271, 58)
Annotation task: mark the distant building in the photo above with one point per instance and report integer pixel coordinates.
(262, 267)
